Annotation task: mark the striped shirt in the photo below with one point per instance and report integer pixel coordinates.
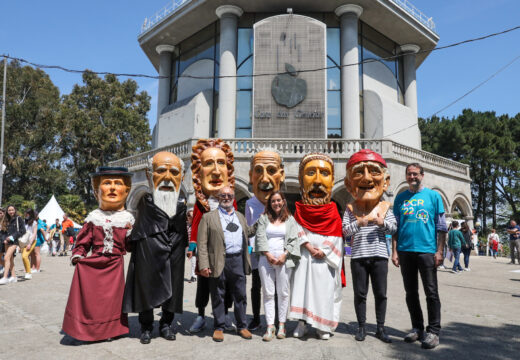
(368, 241)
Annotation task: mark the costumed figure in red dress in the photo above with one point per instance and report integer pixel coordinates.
(94, 306)
(158, 242)
(317, 281)
(212, 169)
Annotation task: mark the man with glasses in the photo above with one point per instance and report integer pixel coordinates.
(418, 248)
(222, 241)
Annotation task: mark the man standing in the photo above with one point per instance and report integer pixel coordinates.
(159, 239)
(265, 175)
(66, 233)
(514, 240)
(224, 258)
(418, 248)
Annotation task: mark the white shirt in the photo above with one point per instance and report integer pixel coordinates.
(275, 238)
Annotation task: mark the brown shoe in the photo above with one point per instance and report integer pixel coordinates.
(218, 335)
(245, 334)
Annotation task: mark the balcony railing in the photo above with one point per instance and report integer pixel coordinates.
(174, 5)
(295, 149)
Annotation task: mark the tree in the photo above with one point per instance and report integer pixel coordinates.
(103, 120)
(31, 151)
(74, 206)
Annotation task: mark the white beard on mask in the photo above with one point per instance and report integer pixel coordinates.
(166, 200)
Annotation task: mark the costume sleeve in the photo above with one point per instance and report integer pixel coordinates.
(83, 241)
(202, 244)
(349, 228)
(302, 236)
(261, 236)
(390, 226)
(332, 247)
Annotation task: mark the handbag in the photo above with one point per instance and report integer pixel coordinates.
(23, 240)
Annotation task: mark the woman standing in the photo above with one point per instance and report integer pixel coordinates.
(277, 241)
(466, 247)
(36, 258)
(31, 225)
(15, 229)
(3, 236)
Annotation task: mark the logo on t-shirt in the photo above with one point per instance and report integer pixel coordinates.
(423, 215)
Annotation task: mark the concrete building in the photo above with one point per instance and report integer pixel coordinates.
(331, 76)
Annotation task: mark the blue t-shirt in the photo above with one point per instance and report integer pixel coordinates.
(40, 239)
(416, 214)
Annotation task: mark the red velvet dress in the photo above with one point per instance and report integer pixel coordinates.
(94, 307)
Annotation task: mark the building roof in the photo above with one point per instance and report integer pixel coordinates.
(399, 20)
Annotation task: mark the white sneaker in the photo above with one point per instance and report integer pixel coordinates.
(13, 279)
(28, 276)
(323, 335)
(442, 267)
(229, 326)
(198, 324)
(467, 269)
(300, 330)
(4, 281)
(34, 271)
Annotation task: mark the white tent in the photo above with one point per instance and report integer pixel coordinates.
(53, 211)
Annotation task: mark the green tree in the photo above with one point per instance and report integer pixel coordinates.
(32, 132)
(74, 206)
(103, 120)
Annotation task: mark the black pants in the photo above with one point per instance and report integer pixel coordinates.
(146, 319)
(413, 263)
(467, 253)
(377, 269)
(232, 280)
(202, 296)
(256, 288)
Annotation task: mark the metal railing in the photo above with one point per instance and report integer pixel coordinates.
(416, 13)
(171, 7)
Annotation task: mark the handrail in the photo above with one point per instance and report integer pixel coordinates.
(416, 13)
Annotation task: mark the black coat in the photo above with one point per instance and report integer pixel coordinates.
(156, 269)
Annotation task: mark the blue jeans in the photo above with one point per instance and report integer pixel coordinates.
(456, 263)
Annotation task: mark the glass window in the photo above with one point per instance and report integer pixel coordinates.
(333, 44)
(243, 133)
(205, 50)
(333, 76)
(244, 44)
(334, 112)
(244, 109)
(246, 68)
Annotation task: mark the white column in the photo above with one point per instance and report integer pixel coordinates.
(410, 86)
(228, 15)
(350, 121)
(163, 95)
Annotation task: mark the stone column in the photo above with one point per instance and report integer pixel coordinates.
(410, 86)
(350, 121)
(163, 97)
(228, 15)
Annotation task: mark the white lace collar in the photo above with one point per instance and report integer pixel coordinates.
(108, 220)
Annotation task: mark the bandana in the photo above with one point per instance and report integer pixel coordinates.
(365, 155)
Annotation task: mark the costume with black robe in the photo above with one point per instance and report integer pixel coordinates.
(156, 269)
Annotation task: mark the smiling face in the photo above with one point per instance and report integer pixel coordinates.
(414, 177)
(11, 211)
(277, 204)
(111, 193)
(366, 181)
(317, 180)
(213, 171)
(266, 174)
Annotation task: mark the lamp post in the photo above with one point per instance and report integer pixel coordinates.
(2, 133)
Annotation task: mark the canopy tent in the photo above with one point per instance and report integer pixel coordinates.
(53, 211)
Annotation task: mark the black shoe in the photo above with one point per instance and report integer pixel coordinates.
(254, 325)
(361, 334)
(193, 279)
(167, 333)
(146, 337)
(382, 335)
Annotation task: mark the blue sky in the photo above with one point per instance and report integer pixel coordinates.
(102, 35)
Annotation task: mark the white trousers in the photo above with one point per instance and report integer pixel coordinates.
(271, 276)
(193, 265)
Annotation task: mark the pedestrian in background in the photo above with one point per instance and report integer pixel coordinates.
(31, 225)
(455, 241)
(514, 240)
(3, 236)
(467, 245)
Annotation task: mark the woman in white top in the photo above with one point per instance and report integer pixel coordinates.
(277, 240)
(31, 226)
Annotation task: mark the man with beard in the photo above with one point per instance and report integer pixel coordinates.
(316, 288)
(418, 248)
(212, 169)
(156, 270)
(265, 175)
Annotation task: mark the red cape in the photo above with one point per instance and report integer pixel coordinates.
(321, 219)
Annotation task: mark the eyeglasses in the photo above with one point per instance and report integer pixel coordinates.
(226, 196)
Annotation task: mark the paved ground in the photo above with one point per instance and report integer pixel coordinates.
(480, 319)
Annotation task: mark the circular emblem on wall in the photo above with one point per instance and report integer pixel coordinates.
(287, 89)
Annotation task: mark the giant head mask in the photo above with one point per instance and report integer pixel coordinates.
(212, 168)
(266, 174)
(165, 173)
(111, 187)
(366, 179)
(316, 177)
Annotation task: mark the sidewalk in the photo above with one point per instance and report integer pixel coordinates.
(480, 320)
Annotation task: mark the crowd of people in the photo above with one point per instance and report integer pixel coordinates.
(27, 236)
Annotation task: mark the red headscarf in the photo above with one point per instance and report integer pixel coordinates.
(365, 155)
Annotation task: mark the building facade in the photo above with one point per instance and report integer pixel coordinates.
(295, 76)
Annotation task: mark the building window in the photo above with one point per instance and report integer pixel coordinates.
(243, 128)
(333, 83)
